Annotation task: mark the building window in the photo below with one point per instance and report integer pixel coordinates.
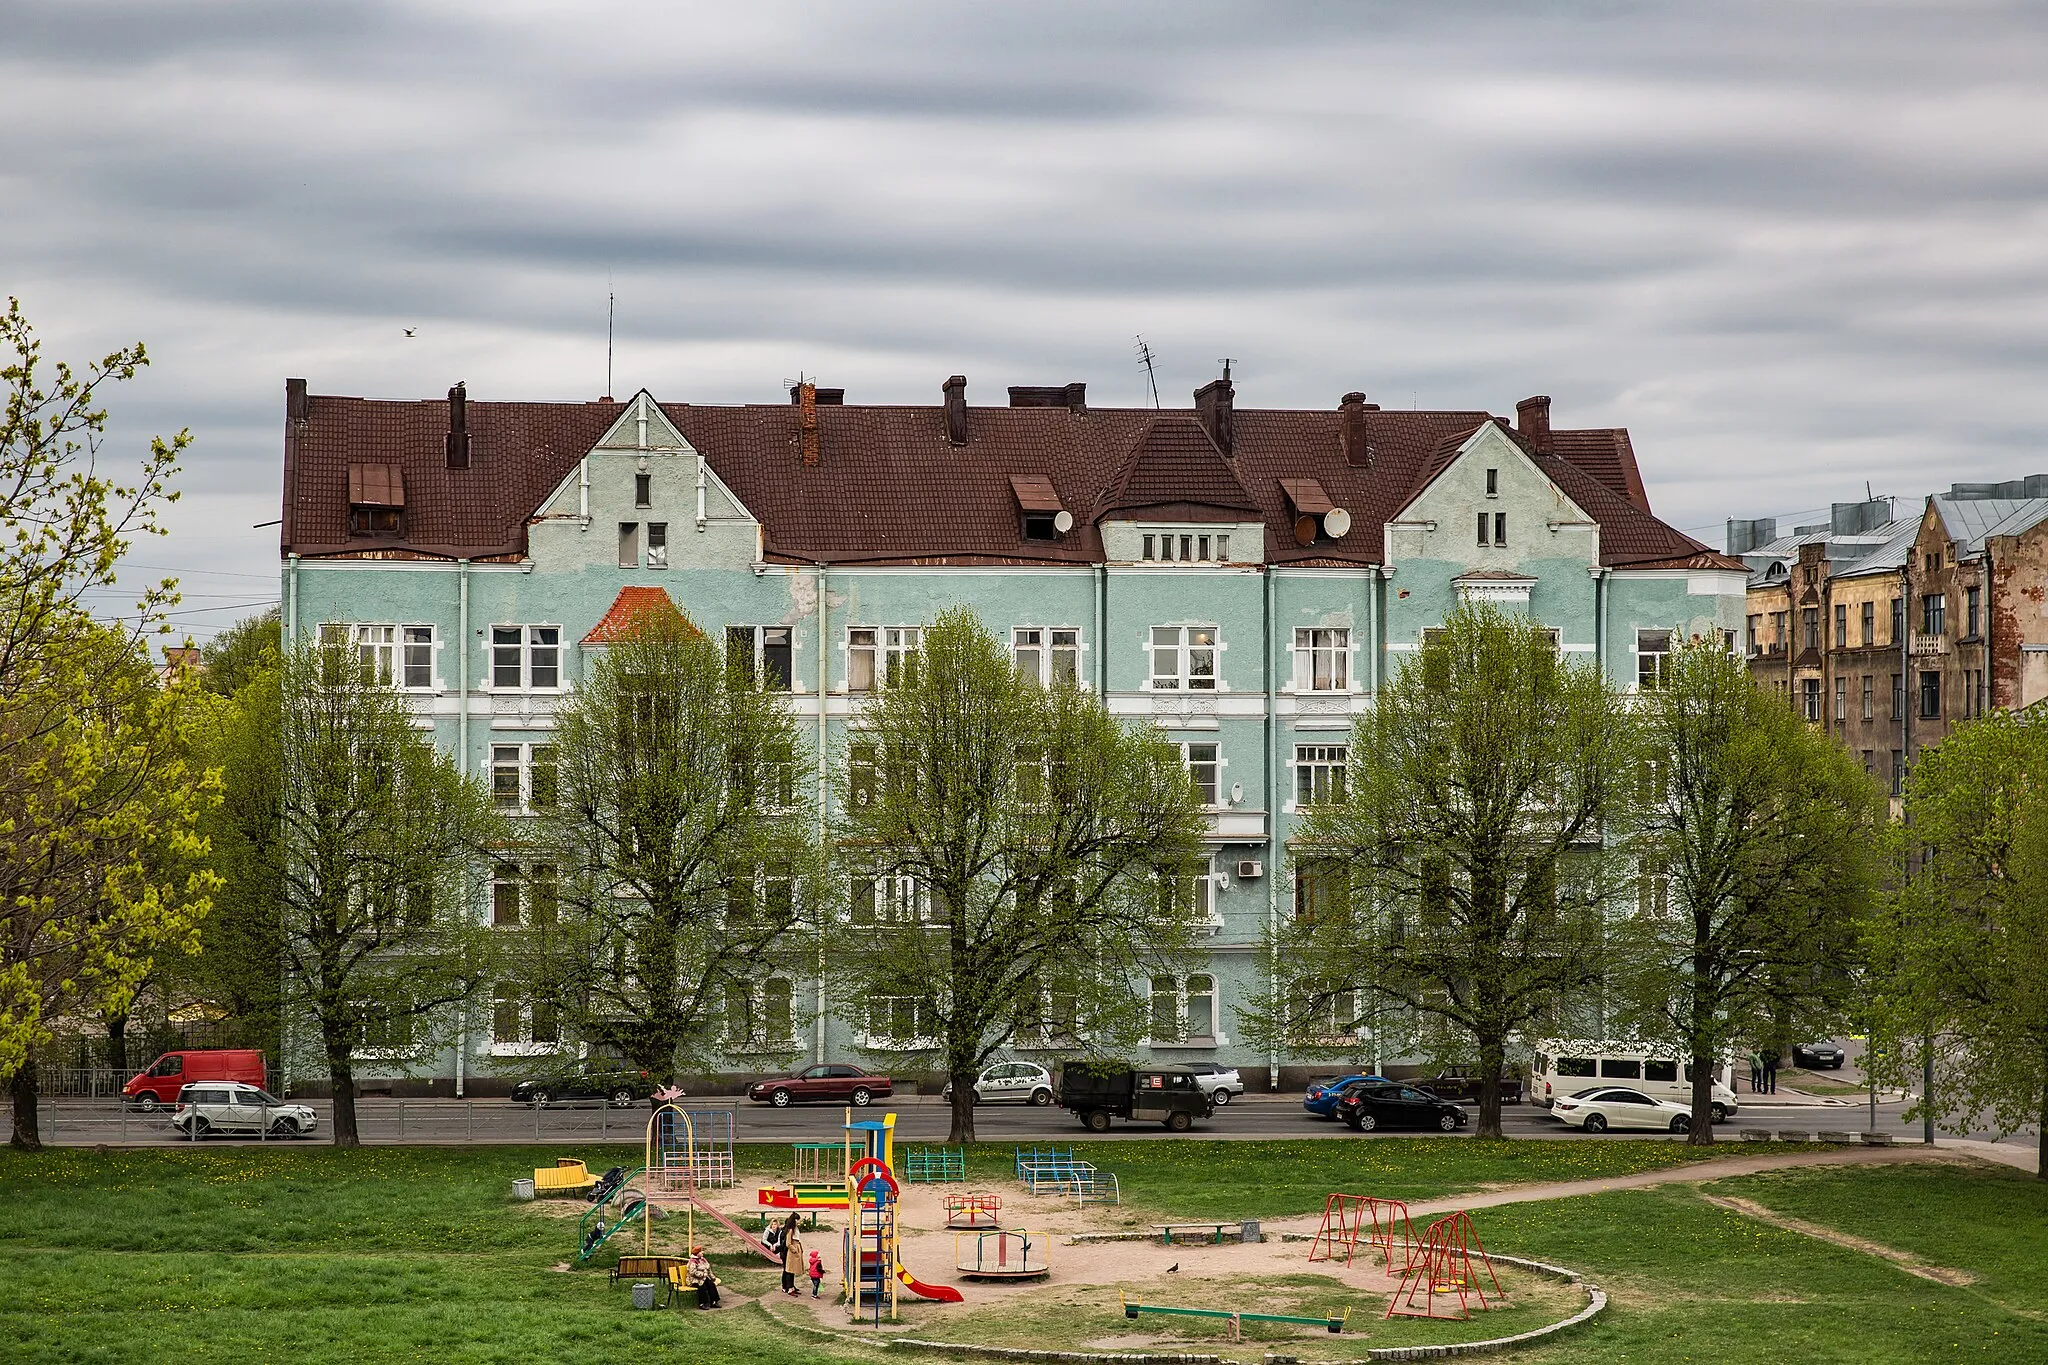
(1898, 771)
(1870, 763)
(1973, 602)
(1930, 695)
(1898, 697)
(1898, 621)
(643, 490)
(1493, 483)
(1809, 627)
(1322, 660)
(526, 658)
(1653, 647)
(763, 652)
(629, 544)
(1841, 700)
(1186, 892)
(760, 1015)
(1183, 1010)
(528, 896)
(523, 776)
(1201, 1010)
(1493, 528)
(1869, 624)
(1933, 613)
(889, 898)
(1047, 654)
(1653, 889)
(1319, 773)
(895, 1021)
(1809, 699)
(1869, 697)
(1205, 769)
(1778, 637)
(1841, 625)
(657, 545)
(1184, 657)
(1186, 547)
(1978, 699)
(880, 652)
(1320, 889)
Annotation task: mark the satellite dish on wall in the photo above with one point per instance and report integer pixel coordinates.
(1304, 530)
(1336, 522)
(1063, 521)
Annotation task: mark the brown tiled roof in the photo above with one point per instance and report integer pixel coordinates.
(630, 609)
(890, 488)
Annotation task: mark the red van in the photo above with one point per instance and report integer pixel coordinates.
(158, 1087)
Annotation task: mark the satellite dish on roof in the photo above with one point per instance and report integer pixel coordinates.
(1063, 521)
(1304, 530)
(1336, 522)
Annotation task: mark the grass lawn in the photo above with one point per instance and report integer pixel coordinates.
(391, 1254)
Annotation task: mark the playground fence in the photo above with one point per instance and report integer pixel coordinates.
(935, 1166)
(68, 1121)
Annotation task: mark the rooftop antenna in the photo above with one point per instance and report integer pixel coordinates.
(1226, 363)
(1145, 359)
(611, 306)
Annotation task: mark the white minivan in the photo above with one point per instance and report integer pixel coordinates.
(1565, 1067)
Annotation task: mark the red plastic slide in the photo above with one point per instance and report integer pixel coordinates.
(944, 1293)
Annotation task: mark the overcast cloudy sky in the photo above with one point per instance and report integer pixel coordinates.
(1793, 247)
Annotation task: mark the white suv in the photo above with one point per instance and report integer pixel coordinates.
(233, 1107)
(1221, 1083)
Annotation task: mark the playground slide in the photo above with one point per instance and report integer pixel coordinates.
(944, 1293)
(736, 1230)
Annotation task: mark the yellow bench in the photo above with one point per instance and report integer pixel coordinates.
(567, 1176)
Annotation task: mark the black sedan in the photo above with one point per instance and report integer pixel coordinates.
(1818, 1056)
(619, 1089)
(1368, 1108)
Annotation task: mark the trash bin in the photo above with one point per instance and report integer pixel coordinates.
(643, 1294)
(522, 1188)
(1249, 1231)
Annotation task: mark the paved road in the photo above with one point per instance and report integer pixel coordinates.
(919, 1119)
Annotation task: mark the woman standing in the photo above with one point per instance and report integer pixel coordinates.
(792, 1256)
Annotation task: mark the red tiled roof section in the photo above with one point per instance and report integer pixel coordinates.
(632, 608)
(1607, 455)
(890, 488)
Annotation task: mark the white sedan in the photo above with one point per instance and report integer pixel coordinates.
(1605, 1107)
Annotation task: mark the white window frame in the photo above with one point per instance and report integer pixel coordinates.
(1047, 648)
(1186, 647)
(520, 878)
(1644, 654)
(900, 899)
(1316, 645)
(919, 1041)
(887, 649)
(524, 1009)
(519, 758)
(758, 651)
(657, 545)
(1188, 761)
(1183, 545)
(1178, 992)
(759, 1037)
(389, 650)
(1325, 768)
(530, 644)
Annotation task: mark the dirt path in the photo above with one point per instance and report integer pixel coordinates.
(1905, 1260)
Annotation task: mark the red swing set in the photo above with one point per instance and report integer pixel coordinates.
(1448, 1264)
(1349, 1219)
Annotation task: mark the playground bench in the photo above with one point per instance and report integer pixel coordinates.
(567, 1176)
(1215, 1231)
(645, 1267)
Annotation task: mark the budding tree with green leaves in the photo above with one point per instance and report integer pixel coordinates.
(1021, 864)
(1961, 950)
(382, 846)
(675, 837)
(1759, 849)
(1464, 873)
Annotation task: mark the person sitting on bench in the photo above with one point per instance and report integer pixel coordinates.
(702, 1280)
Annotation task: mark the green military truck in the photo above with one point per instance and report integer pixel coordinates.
(1171, 1095)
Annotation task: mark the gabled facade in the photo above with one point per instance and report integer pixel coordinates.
(1243, 579)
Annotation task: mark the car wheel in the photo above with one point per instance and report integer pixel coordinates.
(1097, 1121)
(1367, 1123)
(622, 1098)
(284, 1128)
(1681, 1123)
(1041, 1097)
(1718, 1114)
(861, 1096)
(1595, 1123)
(198, 1127)
(1447, 1122)
(146, 1102)
(1178, 1123)
(779, 1098)
(1222, 1097)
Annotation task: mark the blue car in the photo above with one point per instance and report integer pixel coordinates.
(1321, 1099)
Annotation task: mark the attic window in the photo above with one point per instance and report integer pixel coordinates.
(1039, 504)
(1313, 514)
(376, 500)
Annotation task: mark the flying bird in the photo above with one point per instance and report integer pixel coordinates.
(410, 330)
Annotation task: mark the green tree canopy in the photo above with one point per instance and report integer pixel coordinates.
(1464, 872)
(230, 659)
(1021, 864)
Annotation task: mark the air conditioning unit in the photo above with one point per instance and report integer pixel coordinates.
(1249, 868)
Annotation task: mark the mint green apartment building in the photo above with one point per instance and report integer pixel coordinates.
(1243, 578)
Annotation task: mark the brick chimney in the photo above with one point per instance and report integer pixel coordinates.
(806, 395)
(458, 427)
(1357, 450)
(1214, 403)
(956, 409)
(1532, 421)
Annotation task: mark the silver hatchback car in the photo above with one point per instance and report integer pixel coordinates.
(1022, 1082)
(234, 1107)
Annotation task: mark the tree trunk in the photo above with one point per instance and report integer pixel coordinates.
(2041, 1166)
(962, 1130)
(342, 1074)
(117, 1041)
(22, 1089)
(1492, 1064)
(1702, 1134)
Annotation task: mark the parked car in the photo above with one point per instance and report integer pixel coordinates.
(1172, 1095)
(1818, 1056)
(232, 1107)
(619, 1088)
(157, 1086)
(1222, 1082)
(1321, 1099)
(1026, 1082)
(827, 1081)
(1464, 1087)
(1605, 1107)
(1367, 1106)
(1570, 1068)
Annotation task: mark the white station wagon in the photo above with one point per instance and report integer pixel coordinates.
(234, 1107)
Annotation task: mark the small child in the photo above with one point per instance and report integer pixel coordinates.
(816, 1270)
